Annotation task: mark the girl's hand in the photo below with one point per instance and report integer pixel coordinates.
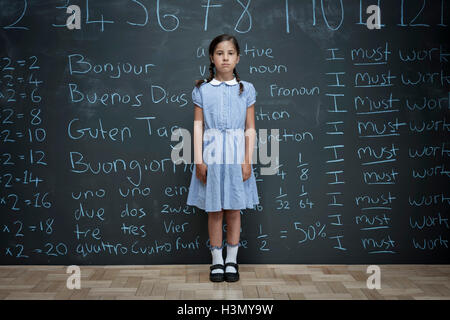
(201, 171)
(246, 171)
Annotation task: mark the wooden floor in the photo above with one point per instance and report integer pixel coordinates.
(285, 282)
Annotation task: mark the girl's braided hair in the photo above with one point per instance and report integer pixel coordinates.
(212, 47)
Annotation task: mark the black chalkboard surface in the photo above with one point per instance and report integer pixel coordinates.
(87, 117)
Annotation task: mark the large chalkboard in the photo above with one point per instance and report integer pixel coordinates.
(87, 117)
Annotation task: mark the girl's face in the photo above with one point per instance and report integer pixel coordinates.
(225, 57)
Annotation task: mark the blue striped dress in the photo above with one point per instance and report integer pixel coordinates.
(224, 113)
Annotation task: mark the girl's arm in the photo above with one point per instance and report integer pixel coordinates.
(250, 134)
(198, 135)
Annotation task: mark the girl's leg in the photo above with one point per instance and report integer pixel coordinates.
(233, 218)
(215, 228)
(215, 239)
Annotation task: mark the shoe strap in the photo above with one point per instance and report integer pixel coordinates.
(232, 264)
(217, 266)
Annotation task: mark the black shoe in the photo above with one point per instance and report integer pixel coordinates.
(217, 277)
(232, 276)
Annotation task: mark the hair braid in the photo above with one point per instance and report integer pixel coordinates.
(241, 86)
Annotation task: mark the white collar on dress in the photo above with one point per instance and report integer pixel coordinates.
(216, 82)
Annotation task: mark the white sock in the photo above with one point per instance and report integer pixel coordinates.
(217, 258)
(232, 251)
